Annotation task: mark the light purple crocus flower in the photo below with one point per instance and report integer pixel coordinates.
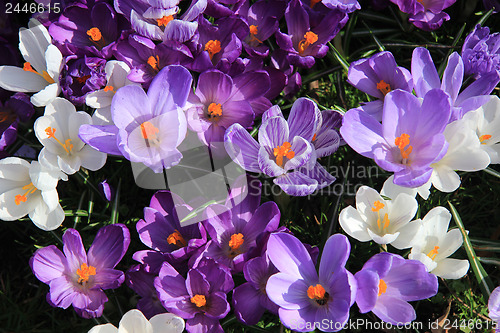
(77, 278)
(284, 149)
(427, 15)
(494, 307)
(425, 78)
(409, 139)
(16, 109)
(481, 52)
(377, 76)
(147, 128)
(200, 298)
(303, 295)
(387, 282)
(345, 6)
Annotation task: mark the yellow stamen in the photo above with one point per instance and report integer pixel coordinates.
(236, 241)
(384, 87)
(483, 138)
(27, 67)
(94, 34)
(108, 88)
(309, 39)
(284, 150)
(402, 142)
(67, 145)
(30, 188)
(212, 47)
(254, 31)
(164, 20)
(84, 273)
(176, 239)
(199, 300)
(433, 253)
(153, 62)
(382, 287)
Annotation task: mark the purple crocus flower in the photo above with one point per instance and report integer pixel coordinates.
(77, 278)
(18, 108)
(345, 6)
(184, 28)
(92, 30)
(220, 101)
(107, 190)
(303, 42)
(142, 282)
(250, 299)
(284, 149)
(427, 15)
(409, 139)
(147, 128)
(377, 76)
(425, 78)
(494, 307)
(481, 52)
(387, 282)
(162, 231)
(303, 295)
(200, 298)
(235, 230)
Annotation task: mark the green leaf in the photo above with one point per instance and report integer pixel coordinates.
(492, 172)
(339, 57)
(481, 276)
(114, 209)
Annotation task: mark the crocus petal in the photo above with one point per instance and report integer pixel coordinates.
(394, 310)
(102, 138)
(287, 291)
(17, 79)
(353, 224)
(242, 148)
(108, 278)
(451, 268)
(296, 183)
(46, 95)
(104, 328)
(134, 321)
(74, 250)
(361, 132)
(48, 263)
(247, 305)
(366, 296)
(335, 255)
(425, 76)
(62, 293)
(453, 76)
(274, 132)
(304, 118)
(109, 246)
(168, 321)
(173, 79)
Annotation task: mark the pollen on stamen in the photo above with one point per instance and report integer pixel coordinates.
(199, 300)
(254, 29)
(153, 62)
(284, 150)
(403, 143)
(236, 241)
(377, 205)
(316, 292)
(108, 88)
(314, 2)
(433, 253)
(50, 131)
(213, 47)
(484, 138)
(214, 110)
(94, 34)
(20, 198)
(27, 67)
(309, 39)
(384, 87)
(176, 238)
(164, 20)
(382, 287)
(149, 131)
(85, 272)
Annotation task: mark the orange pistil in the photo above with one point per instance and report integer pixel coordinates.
(314, 2)
(433, 253)
(108, 88)
(94, 34)
(236, 241)
(84, 273)
(27, 67)
(314, 137)
(164, 20)
(254, 31)
(149, 131)
(284, 150)
(153, 62)
(214, 110)
(483, 138)
(403, 142)
(309, 39)
(176, 239)
(213, 47)
(384, 87)
(30, 188)
(199, 300)
(382, 287)
(318, 294)
(67, 145)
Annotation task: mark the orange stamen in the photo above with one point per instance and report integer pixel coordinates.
(382, 287)
(316, 292)
(483, 138)
(94, 34)
(27, 67)
(30, 188)
(67, 145)
(236, 241)
(199, 300)
(108, 88)
(153, 62)
(314, 137)
(84, 273)
(433, 253)
(164, 20)
(254, 31)
(313, 2)
(309, 39)
(6, 115)
(284, 150)
(377, 205)
(149, 131)
(384, 87)
(176, 239)
(212, 47)
(214, 110)
(402, 142)
(83, 79)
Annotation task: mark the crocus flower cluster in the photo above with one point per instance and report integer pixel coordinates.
(481, 52)
(427, 15)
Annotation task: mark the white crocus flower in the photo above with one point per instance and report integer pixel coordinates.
(391, 190)
(30, 189)
(435, 244)
(116, 77)
(380, 220)
(40, 72)
(464, 154)
(57, 130)
(134, 322)
(485, 121)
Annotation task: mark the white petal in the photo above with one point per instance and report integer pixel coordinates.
(167, 323)
(76, 120)
(50, 144)
(102, 116)
(116, 74)
(46, 220)
(436, 223)
(33, 43)
(391, 190)
(408, 235)
(51, 199)
(449, 244)
(54, 61)
(46, 95)
(99, 99)
(105, 328)
(365, 198)
(353, 224)
(15, 169)
(91, 158)
(134, 322)
(445, 179)
(424, 259)
(451, 268)
(16, 79)
(401, 210)
(60, 106)
(69, 164)
(9, 211)
(382, 239)
(44, 178)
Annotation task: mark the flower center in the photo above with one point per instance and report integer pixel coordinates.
(27, 67)
(254, 31)
(403, 143)
(153, 62)
(212, 47)
(164, 20)
(484, 138)
(382, 287)
(214, 111)
(109, 88)
(176, 239)
(30, 188)
(384, 87)
(67, 145)
(377, 206)
(199, 300)
(433, 253)
(314, 137)
(83, 79)
(149, 133)
(236, 241)
(7, 116)
(318, 294)
(95, 37)
(314, 2)
(309, 38)
(284, 150)
(84, 273)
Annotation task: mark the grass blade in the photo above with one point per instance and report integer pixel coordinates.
(492, 172)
